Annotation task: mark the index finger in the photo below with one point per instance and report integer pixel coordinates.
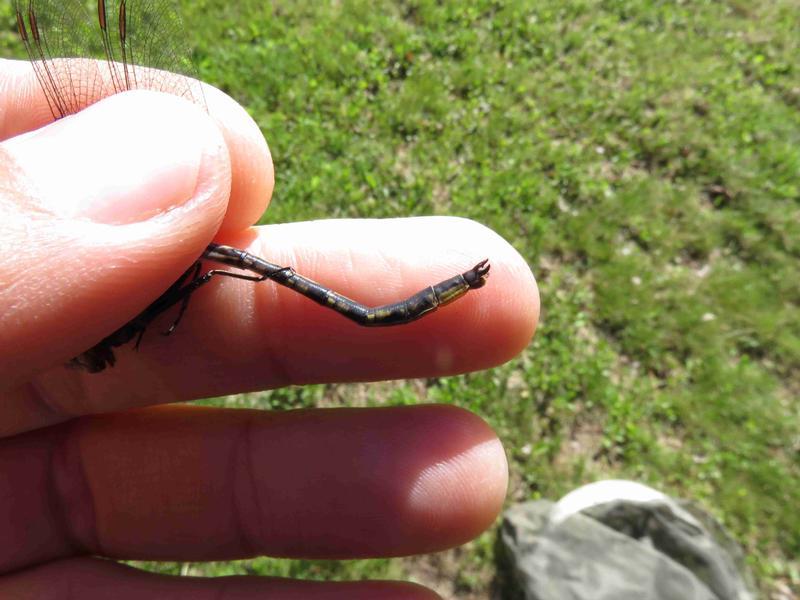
(239, 336)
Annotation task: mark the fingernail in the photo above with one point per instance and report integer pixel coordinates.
(125, 159)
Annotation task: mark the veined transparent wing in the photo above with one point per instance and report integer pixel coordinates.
(84, 51)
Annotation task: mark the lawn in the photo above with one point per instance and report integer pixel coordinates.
(643, 156)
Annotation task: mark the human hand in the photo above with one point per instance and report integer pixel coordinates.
(98, 214)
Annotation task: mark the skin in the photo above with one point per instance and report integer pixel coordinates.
(111, 465)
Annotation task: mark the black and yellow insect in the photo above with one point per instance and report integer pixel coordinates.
(52, 30)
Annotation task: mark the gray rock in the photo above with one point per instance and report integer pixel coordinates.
(621, 549)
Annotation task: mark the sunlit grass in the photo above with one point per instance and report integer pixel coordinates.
(644, 157)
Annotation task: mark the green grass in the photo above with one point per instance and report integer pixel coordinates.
(643, 156)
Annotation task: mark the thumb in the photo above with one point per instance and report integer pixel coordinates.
(99, 213)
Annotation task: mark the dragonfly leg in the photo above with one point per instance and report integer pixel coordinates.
(183, 294)
(194, 271)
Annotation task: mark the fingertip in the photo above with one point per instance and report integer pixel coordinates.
(253, 173)
(24, 108)
(517, 303)
(125, 159)
(462, 490)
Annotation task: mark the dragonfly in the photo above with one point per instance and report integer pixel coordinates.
(138, 44)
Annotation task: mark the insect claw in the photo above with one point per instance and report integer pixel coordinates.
(138, 340)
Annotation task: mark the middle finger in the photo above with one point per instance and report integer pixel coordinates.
(188, 483)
